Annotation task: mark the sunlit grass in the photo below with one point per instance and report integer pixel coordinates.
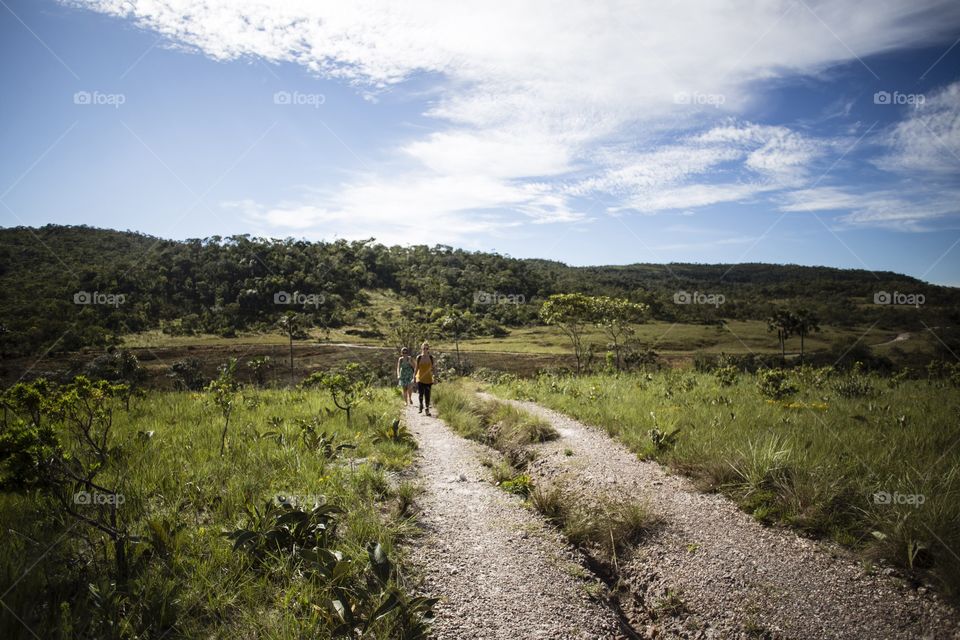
(175, 478)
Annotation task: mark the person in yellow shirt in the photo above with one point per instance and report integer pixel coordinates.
(424, 375)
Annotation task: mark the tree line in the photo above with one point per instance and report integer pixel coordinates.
(67, 287)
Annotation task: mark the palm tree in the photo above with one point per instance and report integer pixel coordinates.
(805, 322)
(784, 323)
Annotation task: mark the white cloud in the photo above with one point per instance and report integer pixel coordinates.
(728, 163)
(412, 209)
(820, 199)
(928, 139)
(902, 210)
(530, 91)
(501, 154)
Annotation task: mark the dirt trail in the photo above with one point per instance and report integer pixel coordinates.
(901, 337)
(735, 577)
(502, 573)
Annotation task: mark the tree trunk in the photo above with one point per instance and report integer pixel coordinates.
(801, 347)
(223, 436)
(291, 352)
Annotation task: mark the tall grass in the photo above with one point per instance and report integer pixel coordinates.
(498, 424)
(181, 497)
(869, 462)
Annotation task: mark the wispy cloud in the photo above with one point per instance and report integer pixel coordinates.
(901, 210)
(928, 139)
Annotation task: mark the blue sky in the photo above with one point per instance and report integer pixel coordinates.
(730, 131)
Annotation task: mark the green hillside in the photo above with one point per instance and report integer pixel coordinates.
(225, 285)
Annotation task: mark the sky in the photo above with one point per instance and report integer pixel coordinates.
(794, 131)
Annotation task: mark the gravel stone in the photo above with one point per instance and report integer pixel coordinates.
(499, 569)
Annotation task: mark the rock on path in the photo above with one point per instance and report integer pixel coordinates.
(737, 577)
(500, 571)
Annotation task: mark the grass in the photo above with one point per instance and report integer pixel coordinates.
(181, 497)
(497, 424)
(604, 527)
(736, 337)
(878, 472)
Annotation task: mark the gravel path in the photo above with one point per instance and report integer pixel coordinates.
(501, 572)
(736, 577)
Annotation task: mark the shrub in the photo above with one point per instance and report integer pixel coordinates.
(854, 386)
(726, 375)
(187, 374)
(775, 384)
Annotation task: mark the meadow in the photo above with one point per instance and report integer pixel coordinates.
(870, 462)
(286, 527)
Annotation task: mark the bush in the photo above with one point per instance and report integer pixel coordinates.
(726, 375)
(854, 386)
(775, 384)
(187, 374)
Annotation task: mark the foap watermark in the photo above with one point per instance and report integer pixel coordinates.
(698, 297)
(494, 297)
(97, 98)
(98, 297)
(98, 498)
(701, 99)
(885, 497)
(297, 298)
(297, 98)
(899, 298)
(916, 100)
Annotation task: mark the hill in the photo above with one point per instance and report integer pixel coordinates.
(66, 287)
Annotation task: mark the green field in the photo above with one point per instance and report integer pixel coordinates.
(736, 337)
(179, 500)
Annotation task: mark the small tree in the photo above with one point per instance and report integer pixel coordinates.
(224, 389)
(119, 366)
(34, 457)
(572, 312)
(402, 331)
(259, 366)
(783, 323)
(614, 316)
(294, 326)
(187, 374)
(805, 322)
(457, 324)
(347, 388)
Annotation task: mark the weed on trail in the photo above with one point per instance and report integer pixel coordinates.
(497, 424)
(231, 512)
(869, 461)
(603, 528)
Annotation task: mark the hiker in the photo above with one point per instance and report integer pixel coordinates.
(424, 375)
(405, 375)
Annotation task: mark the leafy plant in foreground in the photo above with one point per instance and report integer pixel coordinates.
(347, 388)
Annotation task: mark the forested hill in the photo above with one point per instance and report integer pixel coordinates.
(48, 276)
